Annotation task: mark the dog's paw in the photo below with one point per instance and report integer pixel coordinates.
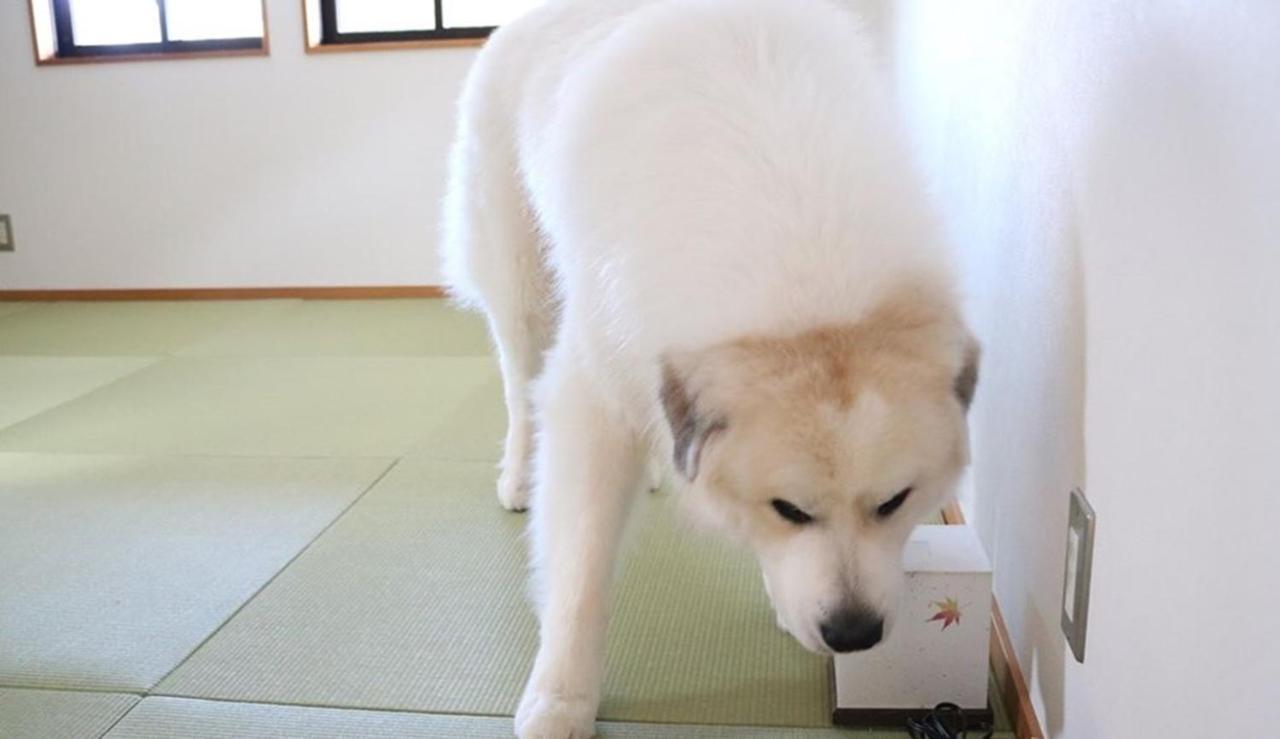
(545, 716)
(513, 490)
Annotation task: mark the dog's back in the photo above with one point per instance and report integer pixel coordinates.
(708, 168)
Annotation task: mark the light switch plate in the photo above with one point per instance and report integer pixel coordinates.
(6, 233)
(1079, 567)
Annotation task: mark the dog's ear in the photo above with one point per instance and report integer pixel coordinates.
(691, 428)
(966, 382)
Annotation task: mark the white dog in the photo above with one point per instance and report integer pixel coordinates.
(694, 228)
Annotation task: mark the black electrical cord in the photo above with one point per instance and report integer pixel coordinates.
(946, 721)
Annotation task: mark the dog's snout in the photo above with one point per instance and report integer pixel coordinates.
(852, 630)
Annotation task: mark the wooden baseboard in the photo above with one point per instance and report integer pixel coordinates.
(230, 293)
(1010, 679)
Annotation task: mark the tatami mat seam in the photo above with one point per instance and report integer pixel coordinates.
(122, 717)
(155, 359)
(454, 459)
(86, 689)
(277, 573)
(388, 458)
(459, 714)
(331, 706)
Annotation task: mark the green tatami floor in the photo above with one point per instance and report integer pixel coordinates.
(277, 519)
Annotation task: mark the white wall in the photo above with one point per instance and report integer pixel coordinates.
(1111, 170)
(292, 169)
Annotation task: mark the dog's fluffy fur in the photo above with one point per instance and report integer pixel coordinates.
(694, 228)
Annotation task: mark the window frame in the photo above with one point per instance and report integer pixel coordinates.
(54, 38)
(323, 34)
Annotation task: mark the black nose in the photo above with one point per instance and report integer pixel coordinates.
(852, 630)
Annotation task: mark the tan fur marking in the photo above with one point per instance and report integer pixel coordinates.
(797, 396)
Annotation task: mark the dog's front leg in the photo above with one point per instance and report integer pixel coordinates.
(587, 472)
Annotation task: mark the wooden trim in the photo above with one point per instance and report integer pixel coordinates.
(311, 29)
(46, 51)
(396, 45)
(1010, 679)
(57, 61)
(312, 33)
(42, 42)
(266, 31)
(229, 293)
(440, 43)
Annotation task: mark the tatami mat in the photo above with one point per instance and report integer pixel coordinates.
(55, 714)
(166, 718)
(694, 639)
(11, 307)
(29, 385)
(344, 328)
(119, 328)
(116, 568)
(347, 407)
(414, 600)
(471, 429)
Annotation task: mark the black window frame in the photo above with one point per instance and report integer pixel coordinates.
(67, 48)
(331, 36)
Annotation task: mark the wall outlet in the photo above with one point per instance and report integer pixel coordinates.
(6, 233)
(1079, 568)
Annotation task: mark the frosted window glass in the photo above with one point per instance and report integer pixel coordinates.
(96, 23)
(481, 13)
(364, 16)
(196, 20)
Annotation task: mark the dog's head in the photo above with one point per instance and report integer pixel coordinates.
(823, 450)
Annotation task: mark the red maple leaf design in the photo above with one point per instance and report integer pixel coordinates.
(948, 612)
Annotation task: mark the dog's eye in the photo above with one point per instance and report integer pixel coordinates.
(887, 508)
(789, 511)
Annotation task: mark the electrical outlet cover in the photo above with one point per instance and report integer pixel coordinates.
(1079, 567)
(6, 233)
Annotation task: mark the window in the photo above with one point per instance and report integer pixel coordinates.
(87, 29)
(345, 22)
